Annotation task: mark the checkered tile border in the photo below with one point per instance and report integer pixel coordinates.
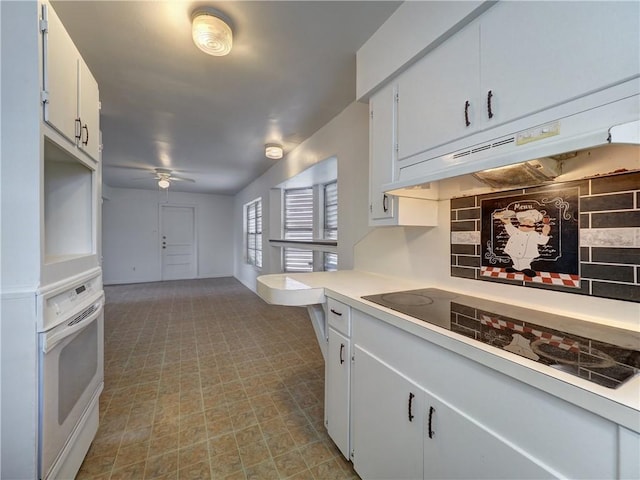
(547, 278)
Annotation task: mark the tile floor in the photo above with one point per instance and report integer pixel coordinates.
(203, 380)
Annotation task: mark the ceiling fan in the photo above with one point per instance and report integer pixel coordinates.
(164, 176)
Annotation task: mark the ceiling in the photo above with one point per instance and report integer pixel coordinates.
(167, 104)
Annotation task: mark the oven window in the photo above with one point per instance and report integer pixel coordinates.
(78, 365)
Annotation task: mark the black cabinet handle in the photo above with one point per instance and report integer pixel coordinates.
(411, 395)
(385, 203)
(336, 312)
(78, 130)
(466, 113)
(341, 352)
(489, 97)
(431, 412)
(86, 129)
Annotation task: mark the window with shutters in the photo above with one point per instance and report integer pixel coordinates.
(331, 211)
(330, 261)
(253, 229)
(298, 260)
(298, 214)
(310, 215)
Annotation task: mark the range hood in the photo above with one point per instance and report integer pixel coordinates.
(523, 158)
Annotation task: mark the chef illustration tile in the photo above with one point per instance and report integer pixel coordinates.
(531, 237)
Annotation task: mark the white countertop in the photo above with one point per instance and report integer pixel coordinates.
(621, 405)
(309, 288)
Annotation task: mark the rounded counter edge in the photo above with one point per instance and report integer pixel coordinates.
(281, 289)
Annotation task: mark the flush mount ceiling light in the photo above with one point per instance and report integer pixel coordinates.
(211, 31)
(273, 151)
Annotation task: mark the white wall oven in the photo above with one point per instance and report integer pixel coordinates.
(71, 374)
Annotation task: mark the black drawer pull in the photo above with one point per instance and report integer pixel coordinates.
(489, 97)
(335, 312)
(341, 352)
(466, 113)
(78, 128)
(385, 203)
(411, 395)
(431, 412)
(86, 140)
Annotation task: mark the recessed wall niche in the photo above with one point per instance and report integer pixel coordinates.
(68, 205)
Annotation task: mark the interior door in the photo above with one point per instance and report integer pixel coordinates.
(177, 242)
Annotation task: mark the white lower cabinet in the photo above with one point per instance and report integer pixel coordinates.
(401, 431)
(456, 446)
(387, 419)
(337, 396)
(419, 410)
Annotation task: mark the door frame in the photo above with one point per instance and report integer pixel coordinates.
(196, 248)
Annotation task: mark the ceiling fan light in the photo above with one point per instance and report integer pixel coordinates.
(211, 33)
(273, 151)
(164, 183)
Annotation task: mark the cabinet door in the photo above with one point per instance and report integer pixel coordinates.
(433, 95)
(338, 366)
(382, 108)
(458, 447)
(536, 55)
(61, 77)
(387, 421)
(89, 111)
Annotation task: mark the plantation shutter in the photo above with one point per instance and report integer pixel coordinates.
(298, 214)
(298, 260)
(331, 211)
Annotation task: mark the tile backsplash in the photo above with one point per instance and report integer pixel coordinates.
(608, 252)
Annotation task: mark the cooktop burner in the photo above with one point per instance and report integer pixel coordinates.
(604, 355)
(407, 298)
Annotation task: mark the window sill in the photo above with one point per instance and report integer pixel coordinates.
(320, 245)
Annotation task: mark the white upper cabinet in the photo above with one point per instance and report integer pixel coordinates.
(382, 109)
(386, 209)
(60, 77)
(70, 92)
(88, 111)
(536, 55)
(438, 98)
(515, 60)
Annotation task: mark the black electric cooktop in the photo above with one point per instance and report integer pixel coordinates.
(605, 355)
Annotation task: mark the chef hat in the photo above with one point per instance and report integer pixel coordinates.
(533, 215)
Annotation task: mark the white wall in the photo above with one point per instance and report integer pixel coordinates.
(423, 253)
(347, 138)
(130, 233)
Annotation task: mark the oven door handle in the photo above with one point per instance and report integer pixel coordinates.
(51, 339)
